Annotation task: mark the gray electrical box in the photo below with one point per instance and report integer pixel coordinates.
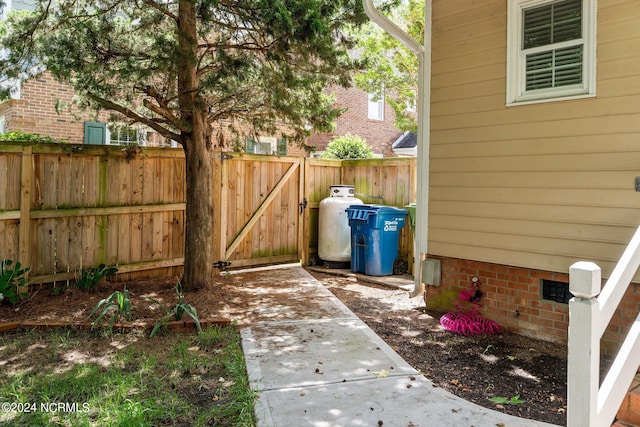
(431, 272)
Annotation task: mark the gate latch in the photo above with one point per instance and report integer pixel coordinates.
(303, 204)
(221, 264)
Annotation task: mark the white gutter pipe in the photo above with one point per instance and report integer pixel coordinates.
(424, 112)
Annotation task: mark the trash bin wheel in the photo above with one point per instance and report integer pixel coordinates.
(399, 266)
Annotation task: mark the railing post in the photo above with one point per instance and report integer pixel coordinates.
(584, 345)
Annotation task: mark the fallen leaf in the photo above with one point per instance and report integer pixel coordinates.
(382, 374)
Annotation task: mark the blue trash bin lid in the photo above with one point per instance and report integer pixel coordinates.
(376, 214)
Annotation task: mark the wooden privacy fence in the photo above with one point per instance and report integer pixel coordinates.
(65, 208)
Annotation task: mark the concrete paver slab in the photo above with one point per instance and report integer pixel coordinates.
(288, 354)
(395, 401)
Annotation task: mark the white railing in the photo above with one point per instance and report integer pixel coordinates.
(590, 404)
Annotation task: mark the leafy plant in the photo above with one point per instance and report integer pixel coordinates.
(347, 147)
(90, 277)
(118, 304)
(515, 400)
(176, 312)
(11, 280)
(18, 136)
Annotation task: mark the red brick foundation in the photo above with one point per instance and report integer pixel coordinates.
(512, 296)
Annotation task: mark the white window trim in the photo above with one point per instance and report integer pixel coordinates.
(3, 124)
(375, 109)
(515, 62)
(4, 11)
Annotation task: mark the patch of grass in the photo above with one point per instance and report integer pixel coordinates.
(94, 380)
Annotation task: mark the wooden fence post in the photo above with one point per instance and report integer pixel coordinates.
(220, 196)
(583, 364)
(26, 175)
(303, 241)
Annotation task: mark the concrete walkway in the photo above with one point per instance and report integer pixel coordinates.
(314, 363)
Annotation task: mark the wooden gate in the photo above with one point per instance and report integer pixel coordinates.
(259, 211)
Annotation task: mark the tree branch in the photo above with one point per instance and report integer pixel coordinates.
(161, 9)
(127, 112)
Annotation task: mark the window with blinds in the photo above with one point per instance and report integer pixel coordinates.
(551, 49)
(552, 45)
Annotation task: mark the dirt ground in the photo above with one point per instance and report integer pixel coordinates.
(526, 376)
(529, 375)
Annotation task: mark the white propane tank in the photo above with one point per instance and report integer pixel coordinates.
(334, 233)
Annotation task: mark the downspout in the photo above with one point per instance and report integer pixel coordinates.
(424, 113)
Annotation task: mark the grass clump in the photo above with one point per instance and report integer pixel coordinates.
(88, 379)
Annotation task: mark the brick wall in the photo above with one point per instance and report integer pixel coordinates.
(378, 134)
(36, 111)
(507, 289)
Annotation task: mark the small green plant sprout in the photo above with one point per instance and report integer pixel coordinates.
(175, 313)
(487, 348)
(12, 279)
(90, 277)
(499, 400)
(118, 305)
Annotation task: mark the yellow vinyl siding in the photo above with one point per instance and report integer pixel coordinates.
(540, 185)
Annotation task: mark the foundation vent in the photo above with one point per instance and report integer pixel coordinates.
(553, 290)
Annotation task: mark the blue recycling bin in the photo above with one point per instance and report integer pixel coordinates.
(375, 231)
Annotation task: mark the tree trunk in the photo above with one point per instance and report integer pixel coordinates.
(198, 251)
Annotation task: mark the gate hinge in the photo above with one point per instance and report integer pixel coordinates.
(221, 264)
(303, 205)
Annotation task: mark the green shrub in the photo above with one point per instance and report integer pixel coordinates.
(118, 304)
(176, 312)
(26, 137)
(11, 280)
(347, 147)
(89, 277)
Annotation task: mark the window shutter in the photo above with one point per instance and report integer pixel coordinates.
(249, 146)
(282, 147)
(95, 133)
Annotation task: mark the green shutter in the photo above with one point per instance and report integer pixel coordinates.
(95, 133)
(282, 147)
(249, 145)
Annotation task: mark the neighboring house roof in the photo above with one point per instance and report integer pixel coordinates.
(406, 145)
